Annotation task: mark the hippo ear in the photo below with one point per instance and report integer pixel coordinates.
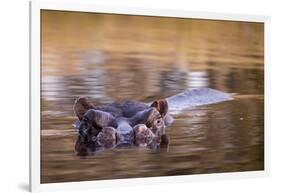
(99, 118)
(161, 105)
(147, 116)
(81, 106)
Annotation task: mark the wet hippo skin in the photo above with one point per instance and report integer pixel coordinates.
(129, 123)
(133, 123)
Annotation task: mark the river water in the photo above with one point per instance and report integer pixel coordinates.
(116, 58)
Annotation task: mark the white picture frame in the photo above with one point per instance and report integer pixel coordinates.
(36, 6)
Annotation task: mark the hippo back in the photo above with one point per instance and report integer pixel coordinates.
(196, 97)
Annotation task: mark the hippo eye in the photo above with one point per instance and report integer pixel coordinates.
(158, 121)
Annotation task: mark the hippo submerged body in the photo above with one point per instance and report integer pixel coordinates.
(133, 123)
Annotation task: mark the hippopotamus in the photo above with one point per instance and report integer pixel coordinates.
(134, 123)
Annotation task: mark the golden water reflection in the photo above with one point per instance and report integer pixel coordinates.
(118, 57)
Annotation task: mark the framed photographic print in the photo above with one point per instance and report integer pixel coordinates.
(127, 95)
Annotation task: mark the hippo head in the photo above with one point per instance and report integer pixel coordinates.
(99, 127)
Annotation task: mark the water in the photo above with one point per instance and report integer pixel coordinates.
(114, 58)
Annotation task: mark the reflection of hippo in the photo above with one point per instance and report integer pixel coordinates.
(134, 123)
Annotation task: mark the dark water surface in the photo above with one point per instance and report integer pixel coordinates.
(115, 58)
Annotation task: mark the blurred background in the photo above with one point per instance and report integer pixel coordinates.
(119, 57)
